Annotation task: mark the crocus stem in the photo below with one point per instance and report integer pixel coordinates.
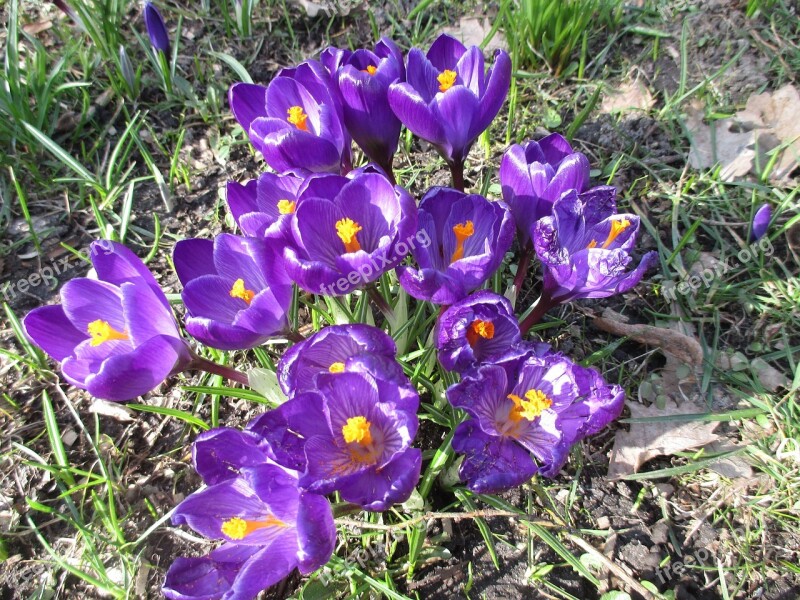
(522, 269)
(203, 364)
(457, 171)
(542, 305)
(380, 302)
(294, 336)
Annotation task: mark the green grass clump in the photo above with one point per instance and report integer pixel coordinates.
(551, 30)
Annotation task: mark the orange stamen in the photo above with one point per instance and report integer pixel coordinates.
(286, 207)
(101, 332)
(238, 528)
(297, 117)
(462, 231)
(347, 229)
(479, 329)
(446, 80)
(239, 291)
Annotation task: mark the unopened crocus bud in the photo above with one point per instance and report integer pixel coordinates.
(156, 28)
(760, 222)
(126, 68)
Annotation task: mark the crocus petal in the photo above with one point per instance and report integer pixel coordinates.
(193, 258)
(220, 454)
(760, 222)
(51, 330)
(127, 376)
(415, 113)
(497, 86)
(379, 489)
(88, 300)
(248, 102)
(445, 52)
(455, 110)
(316, 532)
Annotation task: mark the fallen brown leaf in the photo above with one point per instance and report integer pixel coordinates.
(629, 97)
(663, 438)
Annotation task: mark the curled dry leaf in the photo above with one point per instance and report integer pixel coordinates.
(661, 438)
(631, 96)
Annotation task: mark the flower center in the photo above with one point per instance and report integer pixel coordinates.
(371, 69)
(479, 329)
(238, 528)
(347, 229)
(530, 407)
(286, 207)
(297, 117)
(446, 80)
(337, 367)
(617, 227)
(239, 291)
(462, 232)
(357, 430)
(101, 332)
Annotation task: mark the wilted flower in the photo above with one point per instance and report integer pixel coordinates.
(347, 232)
(114, 336)
(478, 329)
(296, 121)
(263, 207)
(760, 222)
(526, 414)
(469, 238)
(363, 78)
(447, 98)
(536, 174)
(156, 28)
(268, 526)
(585, 248)
(350, 435)
(236, 290)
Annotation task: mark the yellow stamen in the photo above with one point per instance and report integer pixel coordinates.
(101, 332)
(370, 69)
(239, 291)
(337, 367)
(347, 229)
(237, 528)
(531, 407)
(462, 231)
(286, 207)
(617, 227)
(297, 117)
(479, 329)
(446, 80)
(357, 430)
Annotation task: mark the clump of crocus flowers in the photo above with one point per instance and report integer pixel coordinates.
(319, 227)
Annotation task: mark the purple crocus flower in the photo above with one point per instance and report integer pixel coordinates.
(526, 414)
(114, 336)
(447, 98)
(295, 122)
(760, 222)
(264, 207)
(363, 78)
(536, 174)
(585, 248)
(469, 238)
(156, 28)
(347, 232)
(267, 524)
(236, 290)
(331, 350)
(478, 329)
(351, 435)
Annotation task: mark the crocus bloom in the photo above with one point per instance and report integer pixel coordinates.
(236, 290)
(469, 238)
(760, 222)
(585, 247)
(329, 351)
(267, 524)
(263, 207)
(295, 122)
(479, 328)
(350, 435)
(447, 98)
(536, 174)
(525, 416)
(347, 232)
(114, 336)
(156, 28)
(363, 78)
